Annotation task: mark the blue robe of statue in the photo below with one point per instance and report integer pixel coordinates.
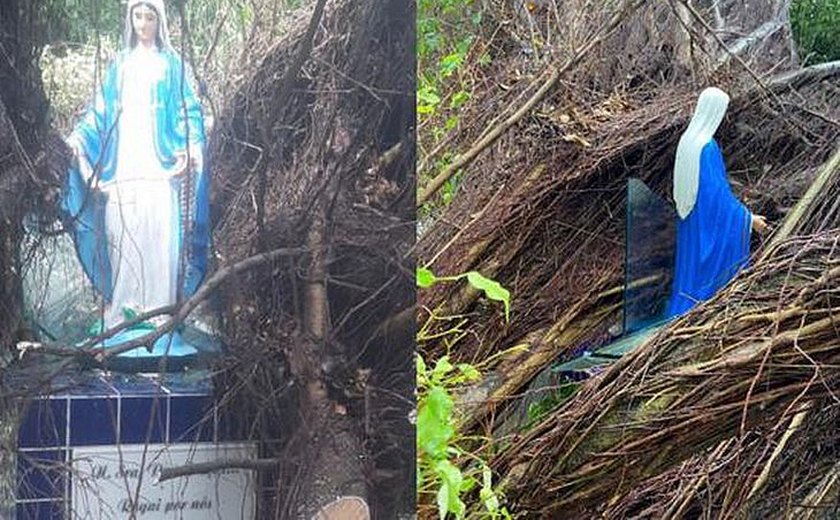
(172, 113)
(713, 240)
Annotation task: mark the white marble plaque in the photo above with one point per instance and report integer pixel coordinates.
(105, 479)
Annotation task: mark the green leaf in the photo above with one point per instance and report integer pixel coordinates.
(246, 14)
(448, 497)
(487, 495)
(428, 96)
(470, 372)
(468, 484)
(442, 367)
(450, 63)
(425, 109)
(425, 277)
(492, 289)
(463, 46)
(427, 99)
(487, 478)
(449, 189)
(451, 122)
(421, 371)
(434, 430)
(461, 97)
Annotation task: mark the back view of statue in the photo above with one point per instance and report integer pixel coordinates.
(713, 226)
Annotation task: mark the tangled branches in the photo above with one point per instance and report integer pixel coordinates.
(745, 362)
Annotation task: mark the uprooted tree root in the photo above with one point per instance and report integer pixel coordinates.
(738, 369)
(556, 229)
(559, 249)
(327, 167)
(788, 469)
(555, 235)
(554, 180)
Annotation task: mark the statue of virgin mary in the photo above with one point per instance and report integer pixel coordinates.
(713, 226)
(137, 199)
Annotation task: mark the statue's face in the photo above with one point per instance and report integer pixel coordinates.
(144, 21)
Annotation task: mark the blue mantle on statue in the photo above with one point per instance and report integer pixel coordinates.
(100, 413)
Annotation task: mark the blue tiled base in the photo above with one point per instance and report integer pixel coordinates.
(40, 510)
(100, 409)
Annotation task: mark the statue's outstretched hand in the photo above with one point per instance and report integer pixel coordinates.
(80, 160)
(75, 149)
(759, 224)
(180, 169)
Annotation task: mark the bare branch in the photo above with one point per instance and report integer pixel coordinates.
(202, 468)
(761, 33)
(552, 75)
(720, 23)
(101, 353)
(723, 45)
(797, 78)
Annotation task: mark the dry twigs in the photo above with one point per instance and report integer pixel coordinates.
(682, 393)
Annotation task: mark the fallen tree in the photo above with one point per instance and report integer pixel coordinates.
(545, 215)
(763, 350)
(320, 159)
(541, 210)
(557, 243)
(733, 402)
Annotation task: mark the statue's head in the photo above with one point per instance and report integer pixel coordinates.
(708, 115)
(709, 112)
(146, 24)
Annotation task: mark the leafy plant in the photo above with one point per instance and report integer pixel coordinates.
(447, 33)
(439, 443)
(81, 21)
(491, 288)
(815, 28)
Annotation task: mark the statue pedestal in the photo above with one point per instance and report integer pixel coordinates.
(83, 450)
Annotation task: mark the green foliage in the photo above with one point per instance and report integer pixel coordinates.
(450, 187)
(447, 33)
(425, 277)
(81, 21)
(436, 433)
(816, 29)
(82, 36)
(440, 447)
(491, 288)
(438, 443)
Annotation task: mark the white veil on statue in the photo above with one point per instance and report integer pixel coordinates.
(711, 107)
